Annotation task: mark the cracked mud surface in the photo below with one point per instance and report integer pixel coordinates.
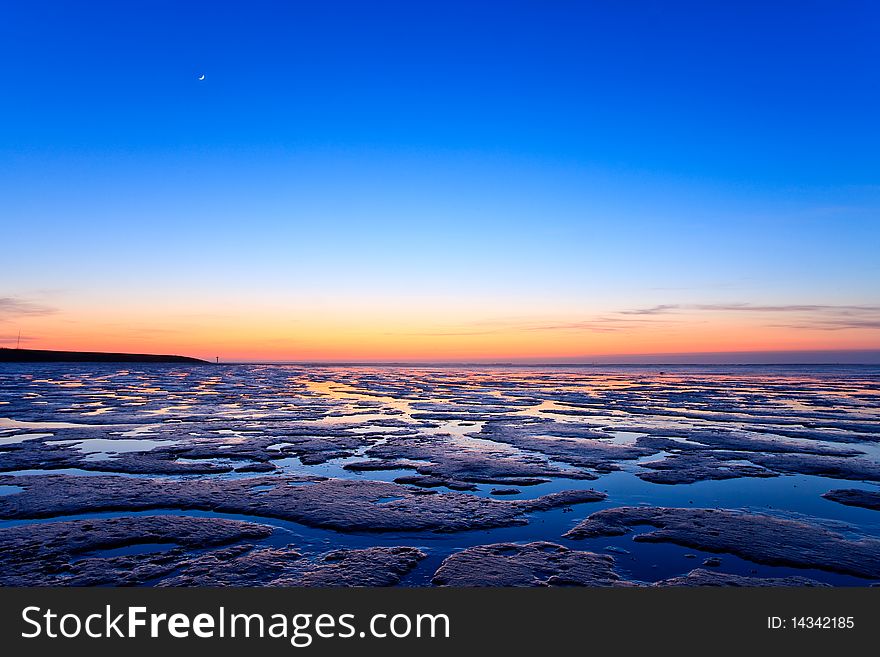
(288, 475)
(533, 564)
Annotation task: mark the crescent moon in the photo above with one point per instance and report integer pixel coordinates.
(202, 76)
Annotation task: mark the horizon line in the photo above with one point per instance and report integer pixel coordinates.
(866, 357)
(327, 363)
(807, 357)
(745, 357)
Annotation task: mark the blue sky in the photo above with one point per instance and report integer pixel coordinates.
(524, 163)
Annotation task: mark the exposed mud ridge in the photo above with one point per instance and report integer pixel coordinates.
(339, 504)
(469, 464)
(855, 497)
(702, 577)
(735, 441)
(185, 448)
(56, 553)
(377, 566)
(183, 552)
(758, 538)
(243, 566)
(574, 444)
(688, 468)
(534, 564)
(833, 467)
(690, 461)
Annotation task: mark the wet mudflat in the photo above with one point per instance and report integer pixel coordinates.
(184, 475)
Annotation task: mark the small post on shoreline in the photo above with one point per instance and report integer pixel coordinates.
(218, 360)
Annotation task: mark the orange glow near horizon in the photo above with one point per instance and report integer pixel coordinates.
(262, 336)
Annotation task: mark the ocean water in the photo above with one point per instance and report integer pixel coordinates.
(97, 413)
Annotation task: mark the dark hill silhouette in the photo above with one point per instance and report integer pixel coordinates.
(49, 356)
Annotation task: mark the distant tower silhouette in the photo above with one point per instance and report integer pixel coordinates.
(218, 360)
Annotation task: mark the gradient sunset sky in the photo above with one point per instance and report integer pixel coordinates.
(440, 180)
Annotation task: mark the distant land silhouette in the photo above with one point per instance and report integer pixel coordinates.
(49, 356)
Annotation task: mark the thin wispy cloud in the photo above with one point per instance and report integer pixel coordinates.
(15, 339)
(832, 325)
(822, 317)
(13, 307)
(757, 308)
(826, 317)
(791, 308)
(653, 310)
